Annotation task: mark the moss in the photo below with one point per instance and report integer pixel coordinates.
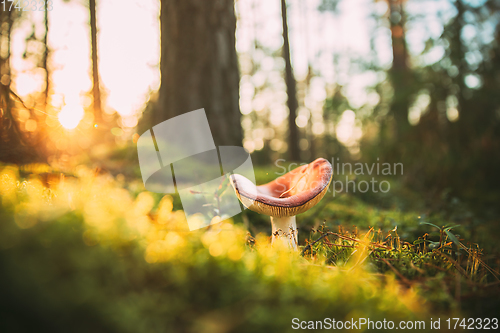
(91, 253)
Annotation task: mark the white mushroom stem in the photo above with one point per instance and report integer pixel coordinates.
(285, 230)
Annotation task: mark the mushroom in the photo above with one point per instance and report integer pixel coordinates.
(293, 193)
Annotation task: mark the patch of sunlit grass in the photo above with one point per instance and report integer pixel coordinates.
(343, 275)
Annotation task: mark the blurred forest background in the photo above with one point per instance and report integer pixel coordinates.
(371, 81)
(403, 81)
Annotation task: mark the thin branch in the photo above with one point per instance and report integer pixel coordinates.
(457, 266)
(311, 244)
(401, 276)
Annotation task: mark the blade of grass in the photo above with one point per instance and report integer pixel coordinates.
(430, 224)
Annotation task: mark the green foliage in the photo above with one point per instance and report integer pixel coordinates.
(91, 253)
(84, 255)
(439, 270)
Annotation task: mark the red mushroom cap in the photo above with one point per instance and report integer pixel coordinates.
(291, 194)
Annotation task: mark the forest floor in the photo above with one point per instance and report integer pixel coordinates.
(93, 249)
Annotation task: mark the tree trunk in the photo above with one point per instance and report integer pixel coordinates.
(45, 58)
(96, 91)
(10, 138)
(6, 22)
(199, 65)
(291, 90)
(13, 146)
(399, 73)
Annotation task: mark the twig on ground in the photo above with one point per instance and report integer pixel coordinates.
(401, 276)
(457, 266)
(311, 244)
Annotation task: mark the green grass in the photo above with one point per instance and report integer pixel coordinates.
(89, 252)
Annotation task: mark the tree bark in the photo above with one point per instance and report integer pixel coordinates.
(45, 58)
(399, 73)
(96, 91)
(13, 146)
(291, 90)
(199, 65)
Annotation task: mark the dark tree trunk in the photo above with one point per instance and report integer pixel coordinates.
(199, 66)
(310, 133)
(463, 127)
(45, 58)
(13, 145)
(399, 73)
(6, 22)
(10, 138)
(291, 90)
(96, 91)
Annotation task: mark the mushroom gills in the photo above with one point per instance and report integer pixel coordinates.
(288, 195)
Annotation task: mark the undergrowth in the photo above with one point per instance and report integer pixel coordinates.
(447, 272)
(89, 251)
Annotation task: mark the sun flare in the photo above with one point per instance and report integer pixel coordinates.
(70, 116)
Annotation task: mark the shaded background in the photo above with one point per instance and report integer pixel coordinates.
(403, 81)
(389, 81)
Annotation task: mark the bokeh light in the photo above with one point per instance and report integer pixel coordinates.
(70, 116)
